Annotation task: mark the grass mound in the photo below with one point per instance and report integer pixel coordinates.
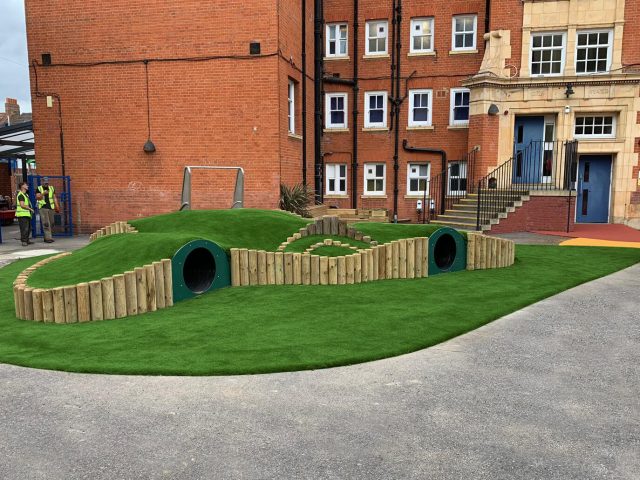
(283, 328)
(108, 256)
(299, 246)
(239, 228)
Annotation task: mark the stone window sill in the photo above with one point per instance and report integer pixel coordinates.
(462, 52)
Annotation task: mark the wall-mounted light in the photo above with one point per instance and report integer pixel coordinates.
(569, 91)
(493, 110)
(149, 147)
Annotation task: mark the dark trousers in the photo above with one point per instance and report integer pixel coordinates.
(25, 228)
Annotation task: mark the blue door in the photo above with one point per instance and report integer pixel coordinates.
(594, 189)
(528, 149)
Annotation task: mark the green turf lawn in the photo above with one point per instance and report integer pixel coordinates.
(238, 228)
(332, 251)
(386, 232)
(282, 328)
(302, 244)
(108, 256)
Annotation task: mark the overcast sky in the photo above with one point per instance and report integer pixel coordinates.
(14, 72)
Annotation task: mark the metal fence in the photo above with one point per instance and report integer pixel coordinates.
(538, 166)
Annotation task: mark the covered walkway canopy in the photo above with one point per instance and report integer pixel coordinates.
(17, 143)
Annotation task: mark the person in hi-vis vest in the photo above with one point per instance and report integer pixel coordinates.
(23, 214)
(47, 204)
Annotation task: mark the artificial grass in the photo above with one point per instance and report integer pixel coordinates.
(303, 243)
(283, 328)
(386, 232)
(108, 256)
(333, 251)
(237, 228)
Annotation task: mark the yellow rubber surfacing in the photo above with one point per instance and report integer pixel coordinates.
(592, 242)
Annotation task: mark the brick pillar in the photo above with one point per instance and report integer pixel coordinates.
(484, 131)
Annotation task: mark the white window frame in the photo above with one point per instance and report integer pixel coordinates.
(612, 135)
(563, 59)
(463, 173)
(336, 177)
(418, 177)
(337, 27)
(291, 104)
(420, 123)
(367, 122)
(609, 50)
(374, 177)
(328, 124)
(418, 21)
(453, 33)
(369, 37)
(452, 121)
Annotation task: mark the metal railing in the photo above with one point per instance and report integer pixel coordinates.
(449, 187)
(538, 166)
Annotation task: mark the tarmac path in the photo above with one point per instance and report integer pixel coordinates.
(549, 392)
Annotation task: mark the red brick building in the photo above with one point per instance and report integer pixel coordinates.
(378, 75)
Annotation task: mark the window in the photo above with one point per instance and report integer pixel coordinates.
(547, 53)
(457, 177)
(375, 110)
(336, 110)
(418, 178)
(374, 178)
(292, 107)
(464, 32)
(420, 108)
(460, 106)
(336, 40)
(377, 37)
(336, 179)
(593, 52)
(595, 126)
(421, 35)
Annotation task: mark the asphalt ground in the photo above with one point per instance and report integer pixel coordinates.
(549, 392)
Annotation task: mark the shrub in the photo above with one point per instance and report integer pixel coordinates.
(296, 199)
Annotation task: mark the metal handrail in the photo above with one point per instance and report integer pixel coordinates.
(539, 166)
(441, 197)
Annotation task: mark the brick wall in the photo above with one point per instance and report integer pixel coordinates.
(440, 73)
(507, 15)
(223, 112)
(539, 213)
(6, 180)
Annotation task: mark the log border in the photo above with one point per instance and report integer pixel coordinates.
(103, 299)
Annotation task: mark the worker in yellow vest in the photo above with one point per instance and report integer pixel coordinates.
(24, 213)
(47, 204)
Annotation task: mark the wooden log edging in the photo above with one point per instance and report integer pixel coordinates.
(327, 225)
(484, 252)
(113, 229)
(147, 288)
(364, 265)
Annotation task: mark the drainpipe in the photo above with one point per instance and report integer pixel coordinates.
(397, 101)
(356, 89)
(304, 93)
(487, 17)
(317, 83)
(443, 157)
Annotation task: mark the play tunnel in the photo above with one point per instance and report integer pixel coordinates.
(447, 251)
(199, 267)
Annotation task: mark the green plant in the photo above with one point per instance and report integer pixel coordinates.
(296, 199)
